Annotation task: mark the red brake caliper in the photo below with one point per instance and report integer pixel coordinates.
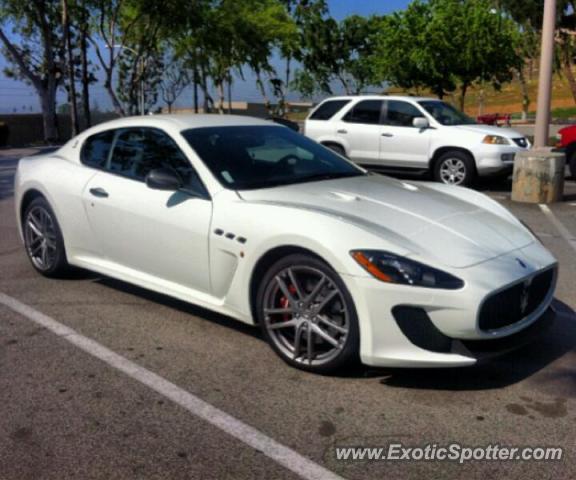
(285, 303)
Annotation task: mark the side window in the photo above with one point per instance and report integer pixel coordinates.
(96, 149)
(328, 109)
(400, 114)
(366, 111)
(137, 151)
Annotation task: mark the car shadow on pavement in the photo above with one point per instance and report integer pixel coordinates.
(559, 340)
(556, 342)
(179, 305)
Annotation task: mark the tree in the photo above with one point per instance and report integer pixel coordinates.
(488, 43)
(70, 68)
(34, 46)
(442, 44)
(175, 79)
(337, 52)
(114, 22)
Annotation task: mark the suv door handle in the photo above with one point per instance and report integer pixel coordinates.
(342, 131)
(387, 134)
(99, 192)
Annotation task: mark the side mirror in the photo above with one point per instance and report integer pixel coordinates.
(163, 179)
(420, 123)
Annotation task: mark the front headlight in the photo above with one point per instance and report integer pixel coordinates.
(495, 140)
(391, 268)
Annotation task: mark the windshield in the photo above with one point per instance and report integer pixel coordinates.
(250, 157)
(445, 113)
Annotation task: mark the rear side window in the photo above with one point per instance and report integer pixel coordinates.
(366, 111)
(96, 149)
(328, 109)
(401, 114)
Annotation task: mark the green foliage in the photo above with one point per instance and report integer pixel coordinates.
(441, 44)
(337, 51)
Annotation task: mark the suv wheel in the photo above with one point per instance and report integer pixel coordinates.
(337, 149)
(455, 168)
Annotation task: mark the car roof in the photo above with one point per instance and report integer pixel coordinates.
(182, 121)
(381, 97)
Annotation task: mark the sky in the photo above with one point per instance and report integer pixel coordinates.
(17, 97)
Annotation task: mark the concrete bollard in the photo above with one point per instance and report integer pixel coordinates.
(538, 176)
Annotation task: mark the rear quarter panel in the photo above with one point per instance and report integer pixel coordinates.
(61, 182)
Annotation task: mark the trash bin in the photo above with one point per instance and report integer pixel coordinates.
(538, 176)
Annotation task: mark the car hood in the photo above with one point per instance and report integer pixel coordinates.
(490, 130)
(423, 220)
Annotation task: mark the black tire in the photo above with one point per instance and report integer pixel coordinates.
(571, 161)
(56, 264)
(326, 358)
(463, 171)
(336, 149)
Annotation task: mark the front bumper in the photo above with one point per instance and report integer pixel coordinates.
(493, 159)
(454, 338)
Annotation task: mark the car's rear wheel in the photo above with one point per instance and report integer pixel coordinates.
(43, 239)
(307, 314)
(455, 168)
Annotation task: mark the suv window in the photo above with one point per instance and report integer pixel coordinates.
(366, 111)
(137, 151)
(328, 109)
(96, 149)
(400, 114)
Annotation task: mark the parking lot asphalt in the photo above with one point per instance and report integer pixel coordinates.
(66, 414)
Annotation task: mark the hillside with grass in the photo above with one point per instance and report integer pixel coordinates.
(508, 100)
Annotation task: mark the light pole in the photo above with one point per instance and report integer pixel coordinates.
(545, 77)
(141, 67)
(539, 173)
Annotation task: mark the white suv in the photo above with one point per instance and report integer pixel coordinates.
(413, 133)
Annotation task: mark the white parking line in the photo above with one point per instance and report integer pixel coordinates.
(566, 234)
(285, 456)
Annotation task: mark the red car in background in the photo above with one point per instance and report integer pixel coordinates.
(567, 143)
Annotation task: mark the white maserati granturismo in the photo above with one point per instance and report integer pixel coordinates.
(255, 221)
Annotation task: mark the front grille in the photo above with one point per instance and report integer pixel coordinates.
(521, 142)
(516, 302)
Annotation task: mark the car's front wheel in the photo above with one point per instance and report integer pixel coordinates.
(307, 314)
(455, 168)
(43, 239)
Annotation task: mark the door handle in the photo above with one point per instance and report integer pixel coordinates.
(342, 131)
(99, 192)
(387, 134)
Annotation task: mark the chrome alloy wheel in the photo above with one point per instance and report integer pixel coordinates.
(40, 237)
(453, 171)
(305, 315)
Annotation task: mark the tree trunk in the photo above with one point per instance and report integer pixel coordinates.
(260, 85)
(45, 88)
(70, 69)
(567, 66)
(463, 90)
(229, 94)
(85, 79)
(286, 89)
(169, 105)
(195, 87)
(221, 96)
(525, 95)
(118, 108)
(49, 121)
